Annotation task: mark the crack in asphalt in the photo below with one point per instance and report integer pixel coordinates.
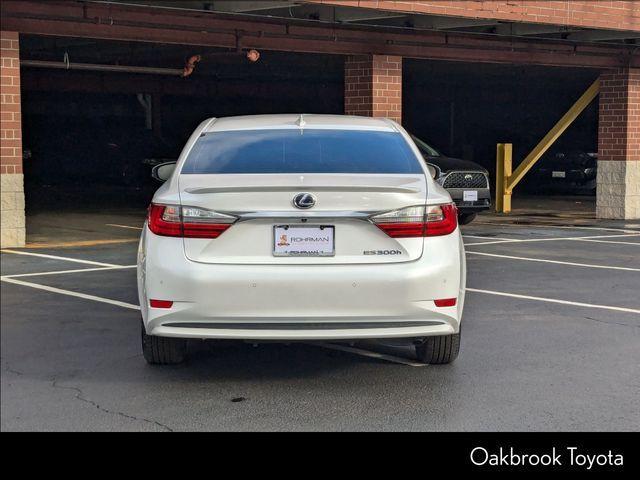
(15, 372)
(80, 396)
(8, 369)
(612, 323)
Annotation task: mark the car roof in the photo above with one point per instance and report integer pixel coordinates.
(297, 120)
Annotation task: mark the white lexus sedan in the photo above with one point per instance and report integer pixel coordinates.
(300, 227)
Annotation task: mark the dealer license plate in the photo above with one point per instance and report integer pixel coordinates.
(303, 241)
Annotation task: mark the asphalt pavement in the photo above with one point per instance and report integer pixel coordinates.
(550, 341)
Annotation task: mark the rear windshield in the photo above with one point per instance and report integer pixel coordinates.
(301, 151)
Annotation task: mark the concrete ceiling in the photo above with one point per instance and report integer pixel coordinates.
(296, 9)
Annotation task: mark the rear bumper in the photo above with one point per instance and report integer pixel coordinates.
(483, 202)
(465, 208)
(300, 302)
(294, 334)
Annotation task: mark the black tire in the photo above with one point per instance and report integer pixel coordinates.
(466, 218)
(439, 350)
(163, 350)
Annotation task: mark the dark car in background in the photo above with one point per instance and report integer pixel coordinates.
(466, 181)
(565, 172)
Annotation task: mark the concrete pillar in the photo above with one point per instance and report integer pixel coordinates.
(12, 228)
(618, 189)
(373, 86)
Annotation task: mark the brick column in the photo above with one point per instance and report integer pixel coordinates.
(618, 190)
(373, 86)
(11, 179)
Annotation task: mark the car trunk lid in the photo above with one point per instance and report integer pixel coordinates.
(263, 204)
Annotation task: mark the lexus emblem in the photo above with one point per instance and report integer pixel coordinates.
(468, 176)
(304, 200)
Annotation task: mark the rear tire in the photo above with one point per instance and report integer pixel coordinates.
(163, 350)
(466, 218)
(439, 350)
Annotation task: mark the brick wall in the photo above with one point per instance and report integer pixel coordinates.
(619, 122)
(10, 129)
(618, 194)
(11, 178)
(609, 14)
(373, 86)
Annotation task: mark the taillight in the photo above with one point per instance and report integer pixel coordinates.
(188, 222)
(165, 220)
(441, 219)
(418, 221)
(201, 223)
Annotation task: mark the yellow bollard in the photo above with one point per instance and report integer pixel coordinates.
(504, 158)
(499, 177)
(507, 171)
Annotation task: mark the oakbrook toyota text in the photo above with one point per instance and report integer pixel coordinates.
(571, 456)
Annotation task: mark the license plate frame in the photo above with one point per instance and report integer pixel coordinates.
(558, 174)
(470, 196)
(303, 253)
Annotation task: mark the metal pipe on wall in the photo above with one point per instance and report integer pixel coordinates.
(178, 72)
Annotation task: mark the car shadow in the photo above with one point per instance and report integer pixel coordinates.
(269, 361)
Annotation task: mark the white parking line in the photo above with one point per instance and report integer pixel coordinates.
(608, 241)
(55, 257)
(70, 293)
(485, 243)
(555, 239)
(554, 300)
(487, 237)
(544, 260)
(78, 270)
(371, 354)
(122, 226)
(576, 227)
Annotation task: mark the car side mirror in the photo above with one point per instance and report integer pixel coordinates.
(432, 171)
(163, 171)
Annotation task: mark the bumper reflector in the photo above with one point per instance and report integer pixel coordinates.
(445, 302)
(160, 303)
